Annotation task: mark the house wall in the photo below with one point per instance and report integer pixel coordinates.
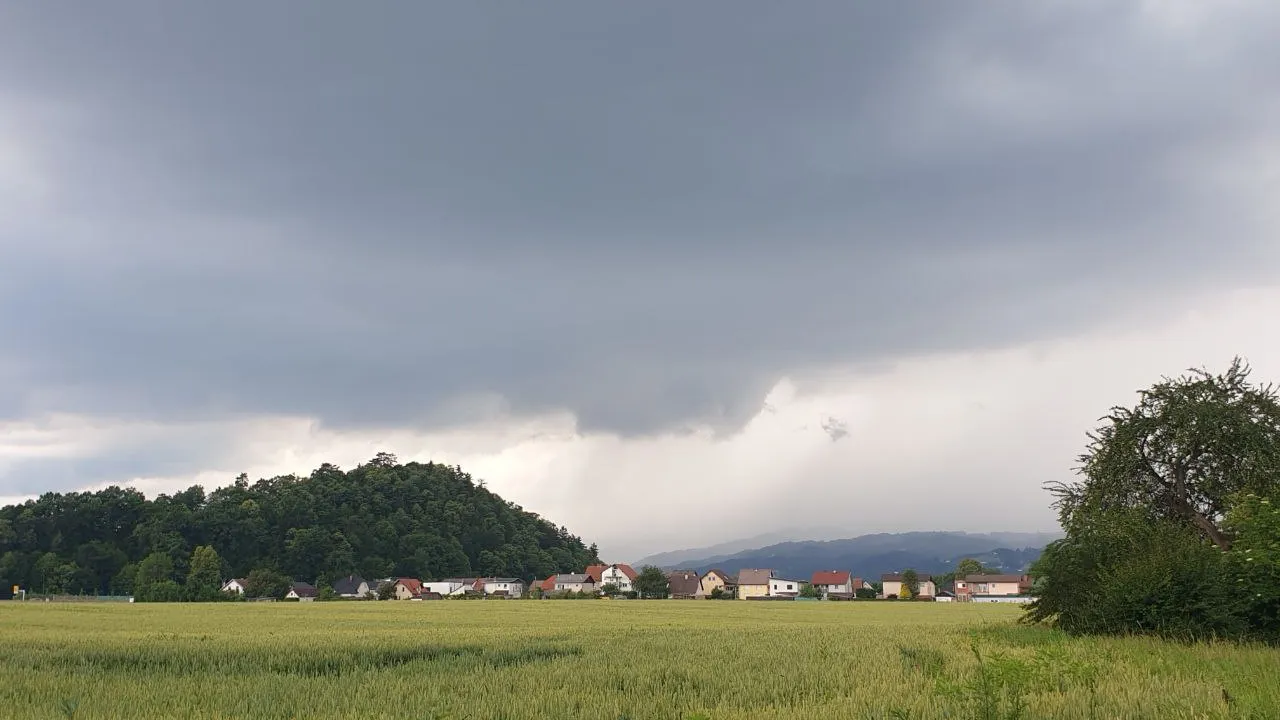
(512, 588)
(780, 586)
(294, 596)
(927, 587)
(234, 587)
(402, 592)
(709, 582)
(844, 588)
(444, 588)
(576, 587)
(995, 588)
(617, 577)
(749, 591)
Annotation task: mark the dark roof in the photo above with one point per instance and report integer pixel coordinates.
(994, 578)
(897, 577)
(349, 585)
(683, 582)
(728, 579)
(574, 579)
(302, 589)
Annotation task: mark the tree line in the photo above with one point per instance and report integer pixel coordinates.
(380, 519)
(1173, 522)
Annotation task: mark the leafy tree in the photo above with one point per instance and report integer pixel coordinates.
(718, 593)
(865, 593)
(326, 593)
(910, 584)
(610, 589)
(652, 583)
(148, 583)
(204, 579)
(807, 590)
(1171, 530)
(969, 566)
(1181, 453)
(263, 583)
(386, 591)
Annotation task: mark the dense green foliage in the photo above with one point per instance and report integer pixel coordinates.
(910, 584)
(1173, 528)
(651, 583)
(379, 519)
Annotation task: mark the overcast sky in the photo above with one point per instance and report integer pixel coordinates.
(667, 273)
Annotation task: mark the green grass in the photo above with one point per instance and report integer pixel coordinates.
(602, 659)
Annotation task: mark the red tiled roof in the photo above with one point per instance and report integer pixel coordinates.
(595, 571)
(413, 585)
(830, 577)
(549, 584)
(627, 570)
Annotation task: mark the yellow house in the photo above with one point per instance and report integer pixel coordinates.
(891, 585)
(713, 579)
(753, 583)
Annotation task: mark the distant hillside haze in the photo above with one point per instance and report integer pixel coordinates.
(871, 555)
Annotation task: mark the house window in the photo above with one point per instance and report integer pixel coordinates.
(788, 586)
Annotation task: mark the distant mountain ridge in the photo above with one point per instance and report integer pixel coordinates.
(869, 555)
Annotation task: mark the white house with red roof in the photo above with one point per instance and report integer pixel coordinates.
(620, 574)
(833, 582)
(407, 588)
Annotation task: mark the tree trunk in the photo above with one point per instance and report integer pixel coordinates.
(1219, 538)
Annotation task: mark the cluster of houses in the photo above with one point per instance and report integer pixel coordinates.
(747, 584)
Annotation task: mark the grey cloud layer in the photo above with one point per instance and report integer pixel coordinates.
(642, 213)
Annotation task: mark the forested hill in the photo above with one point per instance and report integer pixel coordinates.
(379, 519)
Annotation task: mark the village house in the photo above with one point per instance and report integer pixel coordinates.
(573, 582)
(974, 586)
(716, 578)
(444, 588)
(503, 587)
(833, 582)
(234, 585)
(683, 584)
(621, 575)
(463, 586)
(407, 588)
(351, 586)
(302, 592)
(891, 585)
(782, 587)
(753, 582)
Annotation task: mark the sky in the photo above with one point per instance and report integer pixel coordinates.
(665, 273)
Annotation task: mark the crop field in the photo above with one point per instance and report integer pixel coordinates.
(602, 659)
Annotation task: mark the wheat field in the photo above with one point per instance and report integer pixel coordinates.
(603, 659)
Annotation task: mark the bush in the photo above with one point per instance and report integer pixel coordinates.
(163, 591)
(1128, 575)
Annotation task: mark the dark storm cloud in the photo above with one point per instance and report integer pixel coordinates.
(642, 213)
